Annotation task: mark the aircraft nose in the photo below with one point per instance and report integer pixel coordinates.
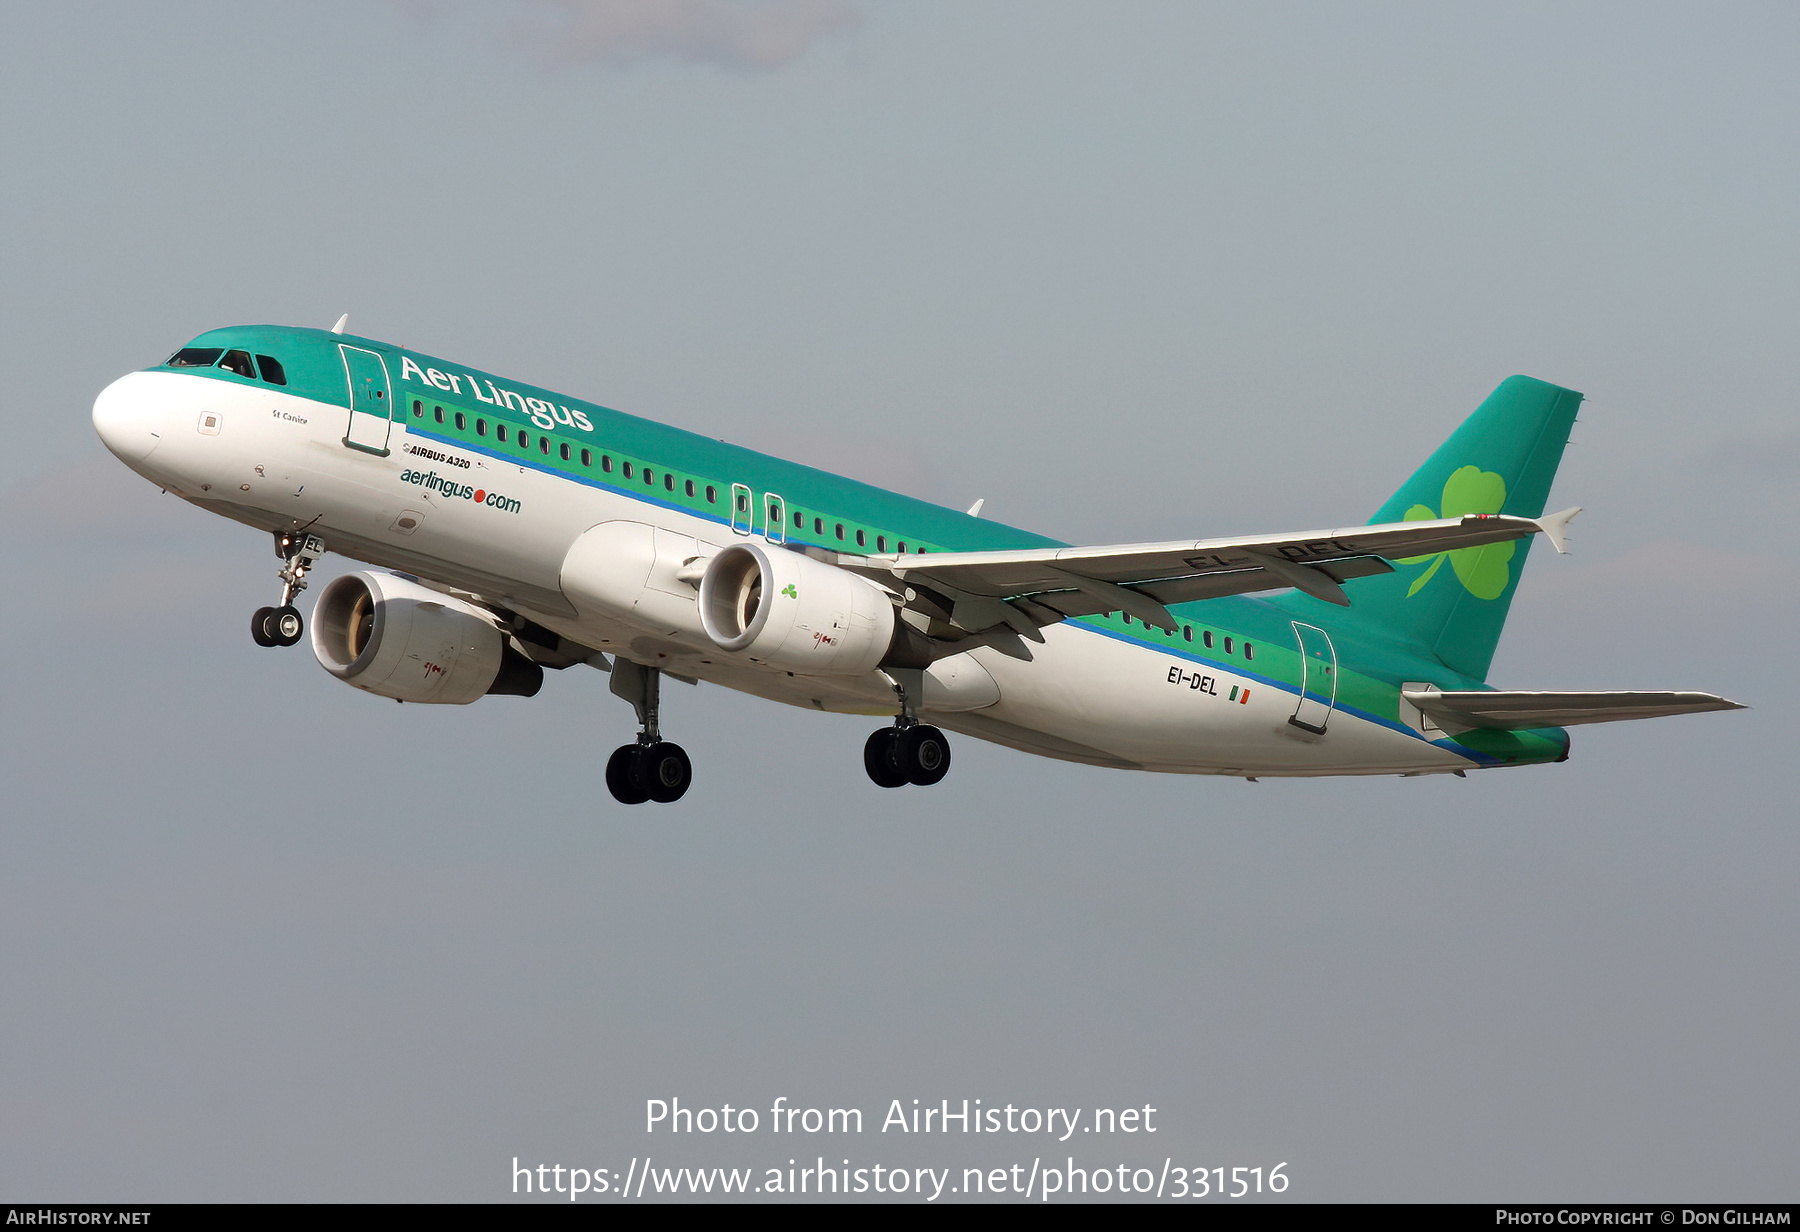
(130, 423)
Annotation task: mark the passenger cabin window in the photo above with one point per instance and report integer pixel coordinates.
(626, 470)
(437, 413)
(606, 463)
(840, 530)
(195, 357)
(860, 541)
(799, 520)
(500, 432)
(690, 488)
(712, 495)
(1187, 632)
(587, 457)
(881, 543)
(567, 453)
(271, 369)
(818, 526)
(668, 482)
(1206, 638)
(901, 547)
(462, 422)
(481, 427)
(544, 445)
(239, 362)
(649, 478)
(1249, 651)
(418, 409)
(743, 502)
(1227, 645)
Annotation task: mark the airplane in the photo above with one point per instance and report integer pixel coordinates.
(514, 530)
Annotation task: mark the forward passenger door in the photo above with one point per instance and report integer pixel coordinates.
(371, 399)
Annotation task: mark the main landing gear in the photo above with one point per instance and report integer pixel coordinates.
(653, 768)
(896, 756)
(910, 751)
(282, 626)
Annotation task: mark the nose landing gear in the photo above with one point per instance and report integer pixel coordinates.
(282, 626)
(276, 626)
(653, 768)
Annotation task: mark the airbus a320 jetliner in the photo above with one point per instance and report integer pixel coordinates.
(529, 530)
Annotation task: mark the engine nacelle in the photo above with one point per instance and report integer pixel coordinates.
(793, 612)
(406, 641)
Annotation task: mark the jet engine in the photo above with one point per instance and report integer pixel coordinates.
(397, 638)
(793, 612)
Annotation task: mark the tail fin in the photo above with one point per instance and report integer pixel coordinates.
(1452, 605)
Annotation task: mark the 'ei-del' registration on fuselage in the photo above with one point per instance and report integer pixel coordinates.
(516, 530)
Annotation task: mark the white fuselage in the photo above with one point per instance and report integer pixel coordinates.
(275, 460)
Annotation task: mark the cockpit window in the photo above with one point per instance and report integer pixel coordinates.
(194, 357)
(271, 370)
(238, 362)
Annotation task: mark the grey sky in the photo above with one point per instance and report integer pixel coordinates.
(1126, 271)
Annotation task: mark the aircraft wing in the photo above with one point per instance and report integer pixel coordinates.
(1026, 589)
(1519, 709)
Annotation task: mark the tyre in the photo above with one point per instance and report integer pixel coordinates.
(924, 754)
(878, 759)
(624, 775)
(260, 630)
(285, 626)
(667, 773)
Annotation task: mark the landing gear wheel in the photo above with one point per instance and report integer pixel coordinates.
(924, 754)
(667, 773)
(625, 777)
(282, 626)
(285, 626)
(878, 758)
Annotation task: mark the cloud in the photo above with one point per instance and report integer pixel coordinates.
(741, 35)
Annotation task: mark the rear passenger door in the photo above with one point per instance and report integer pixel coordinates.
(1318, 679)
(371, 399)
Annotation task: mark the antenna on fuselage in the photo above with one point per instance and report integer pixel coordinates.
(342, 321)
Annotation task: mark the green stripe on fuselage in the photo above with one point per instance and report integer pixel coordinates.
(316, 372)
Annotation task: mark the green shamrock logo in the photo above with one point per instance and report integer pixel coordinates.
(1483, 571)
(790, 592)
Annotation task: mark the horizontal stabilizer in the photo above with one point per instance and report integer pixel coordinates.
(1519, 710)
